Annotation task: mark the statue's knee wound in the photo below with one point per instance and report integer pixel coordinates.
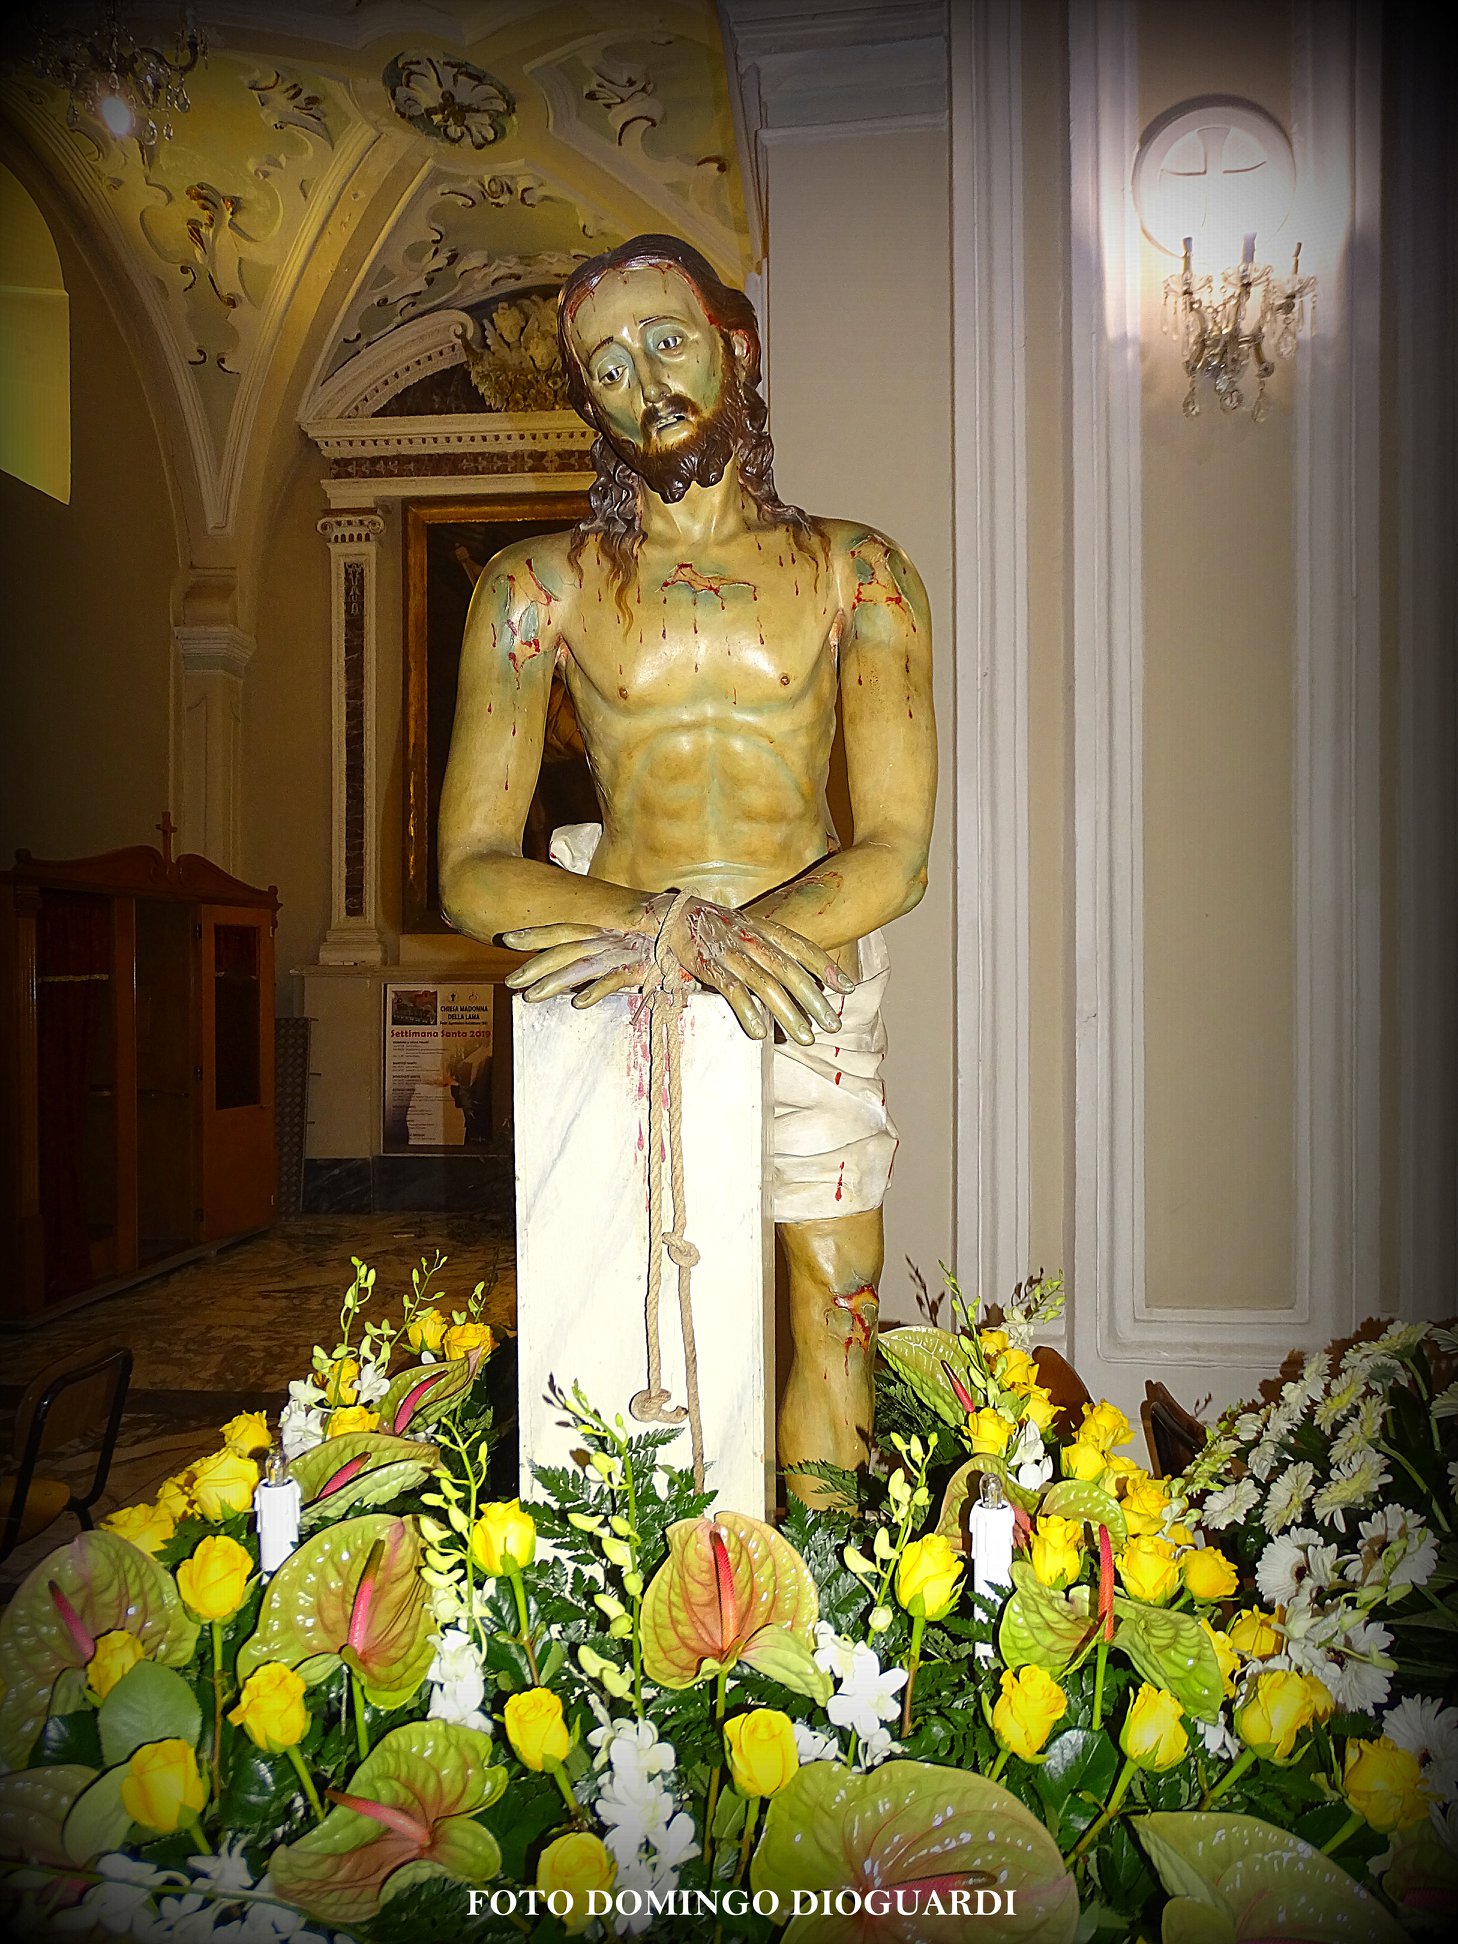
(852, 1317)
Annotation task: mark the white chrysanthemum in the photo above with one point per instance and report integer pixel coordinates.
(1361, 1428)
(1362, 1669)
(1264, 1460)
(1293, 1565)
(1445, 1404)
(1288, 1496)
(1229, 1506)
(1339, 1400)
(1394, 1548)
(1431, 1732)
(1352, 1484)
(1249, 1425)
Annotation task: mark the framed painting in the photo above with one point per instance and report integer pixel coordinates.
(448, 545)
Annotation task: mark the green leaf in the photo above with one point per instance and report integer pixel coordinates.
(379, 1469)
(97, 1823)
(68, 1739)
(305, 1617)
(445, 1382)
(917, 1352)
(1188, 1921)
(425, 1784)
(34, 1805)
(692, 1624)
(1077, 1761)
(1071, 1498)
(1271, 1883)
(952, 1519)
(149, 1703)
(786, 1658)
(1041, 1627)
(900, 1825)
(109, 1584)
(1173, 1651)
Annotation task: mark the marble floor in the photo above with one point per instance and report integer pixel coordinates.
(228, 1333)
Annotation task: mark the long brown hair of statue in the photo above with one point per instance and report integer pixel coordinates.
(615, 500)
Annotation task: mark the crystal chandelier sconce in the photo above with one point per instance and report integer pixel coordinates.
(1238, 333)
(133, 91)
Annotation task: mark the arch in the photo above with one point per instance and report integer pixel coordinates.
(35, 347)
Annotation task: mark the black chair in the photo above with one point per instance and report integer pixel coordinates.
(78, 1395)
(1176, 1436)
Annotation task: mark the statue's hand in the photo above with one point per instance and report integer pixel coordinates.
(764, 970)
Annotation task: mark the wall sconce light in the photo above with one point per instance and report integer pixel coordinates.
(1209, 172)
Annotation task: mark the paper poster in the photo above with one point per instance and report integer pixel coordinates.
(437, 1065)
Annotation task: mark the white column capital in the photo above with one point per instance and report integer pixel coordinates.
(360, 529)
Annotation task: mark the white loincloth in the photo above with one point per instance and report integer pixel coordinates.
(834, 1142)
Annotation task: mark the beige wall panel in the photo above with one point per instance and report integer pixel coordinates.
(86, 669)
(287, 732)
(1219, 572)
(860, 376)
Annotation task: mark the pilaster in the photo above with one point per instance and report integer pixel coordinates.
(214, 658)
(353, 937)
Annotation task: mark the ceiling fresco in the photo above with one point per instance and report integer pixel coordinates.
(479, 149)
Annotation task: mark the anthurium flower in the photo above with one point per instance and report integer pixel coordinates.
(1254, 1634)
(426, 1330)
(928, 1575)
(1273, 1713)
(1208, 1574)
(1384, 1784)
(1103, 1426)
(117, 1653)
(271, 1709)
(214, 1578)
(762, 1751)
(162, 1788)
(1149, 1570)
(731, 1589)
(535, 1728)
(223, 1484)
(247, 1434)
(1029, 1704)
(1056, 1550)
(908, 1837)
(409, 1814)
(147, 1526)
(576, 1864)
(1153, 1735)
(473, 1340)
(503, 1539)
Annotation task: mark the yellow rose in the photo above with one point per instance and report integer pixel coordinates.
(1023, 1715)
(1384, 1784)
(1104, 1426)
(214, 1578)
(1126, 1472)
(988, 1431)
(462, 1338)
(1144, 1501)
(928, 1576)
(1149, 1570)
(1016, 1369)
(1208, 1574)
(503, 1538)
(271, 1709)
(341, 1381)
(1179, 1535)
(1038, 1406)
(1323, 1701)
(426, 1331)
(146, 1526)
(577, 1863)
(1153, 1735)
(762, 1752)
(174, 1496)
(535, 1728)
(1254, 1634)
(1274, 1714)
(247, 1433)
(1057, 1550)
(116, 1654)
(162, 1789)
(223, 1484)
(993, 1343)
(1226, 1655)
(1084, 1462)
(350, 1417)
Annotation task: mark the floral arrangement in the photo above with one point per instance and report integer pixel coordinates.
(1210, 1708)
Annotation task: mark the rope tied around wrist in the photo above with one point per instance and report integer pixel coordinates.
(664, 990)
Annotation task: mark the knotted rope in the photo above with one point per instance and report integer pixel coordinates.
(663, 992)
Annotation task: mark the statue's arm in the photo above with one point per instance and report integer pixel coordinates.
(513, 634)
(891, 754)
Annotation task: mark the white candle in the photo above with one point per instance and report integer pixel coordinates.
(990, 1531)
(1247, 255)
(277, 1508)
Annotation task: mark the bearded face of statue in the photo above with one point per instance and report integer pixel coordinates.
(660, 377)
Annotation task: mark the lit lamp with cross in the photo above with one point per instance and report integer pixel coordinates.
(1206, 174)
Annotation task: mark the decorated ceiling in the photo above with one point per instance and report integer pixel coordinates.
(348, 168)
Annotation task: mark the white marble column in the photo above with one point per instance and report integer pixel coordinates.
(214, 657)
(353, 937)
(581, 1128)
